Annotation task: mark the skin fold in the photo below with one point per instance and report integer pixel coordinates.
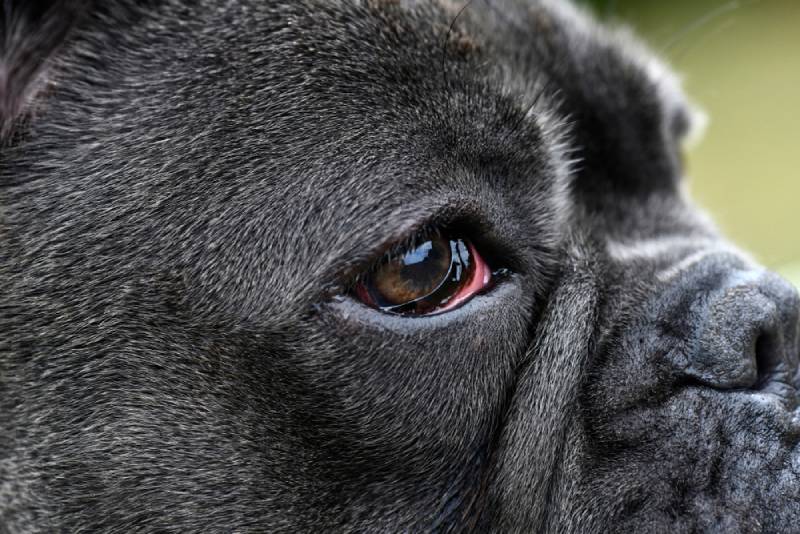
(190, 190)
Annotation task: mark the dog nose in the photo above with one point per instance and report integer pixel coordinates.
(747, 335)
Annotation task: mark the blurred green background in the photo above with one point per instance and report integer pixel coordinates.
(740, 62)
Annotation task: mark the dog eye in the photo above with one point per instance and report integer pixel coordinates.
(436, 276)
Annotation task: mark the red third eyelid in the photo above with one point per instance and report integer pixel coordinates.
(481, 277)
(363, 294)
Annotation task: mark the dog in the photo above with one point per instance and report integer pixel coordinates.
(372, 266)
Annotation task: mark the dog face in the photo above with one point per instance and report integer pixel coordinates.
(219, 223)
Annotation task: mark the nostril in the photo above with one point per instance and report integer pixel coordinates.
(743, 335)
(744, 339)
(768, 358)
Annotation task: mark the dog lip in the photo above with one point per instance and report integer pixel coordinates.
(783, 395)
(780, 399)
(781, 386)
(782, 411)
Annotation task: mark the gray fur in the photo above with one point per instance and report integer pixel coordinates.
(189, 189)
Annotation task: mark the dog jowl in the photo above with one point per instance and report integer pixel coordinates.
(354, 266)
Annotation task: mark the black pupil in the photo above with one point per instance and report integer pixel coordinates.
(423, 279)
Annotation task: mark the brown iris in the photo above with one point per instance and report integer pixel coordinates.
(437, 275)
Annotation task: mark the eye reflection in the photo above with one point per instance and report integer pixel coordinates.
(435, 276)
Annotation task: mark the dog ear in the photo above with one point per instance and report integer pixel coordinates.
(31, 33)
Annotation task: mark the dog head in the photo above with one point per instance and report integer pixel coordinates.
(372, 266)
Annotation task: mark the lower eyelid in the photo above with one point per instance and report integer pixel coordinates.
(348, 309)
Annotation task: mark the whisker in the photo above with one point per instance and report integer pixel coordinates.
(701, 22)
(447, 41)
